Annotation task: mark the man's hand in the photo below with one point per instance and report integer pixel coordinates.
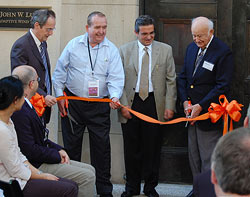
(50, 100)
(115, 103)
(64, 157)
(195, 111)
(61, 106)
(168, 114)
(125, 113)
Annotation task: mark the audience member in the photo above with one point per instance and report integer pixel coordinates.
(13, 164)
(231, 164)
(33, 140)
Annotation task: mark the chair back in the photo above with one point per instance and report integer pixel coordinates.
(11, 188)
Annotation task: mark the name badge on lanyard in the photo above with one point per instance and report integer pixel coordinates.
(93, 87)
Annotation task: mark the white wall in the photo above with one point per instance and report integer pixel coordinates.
(71, 20)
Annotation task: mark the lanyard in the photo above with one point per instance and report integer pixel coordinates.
(92, 66)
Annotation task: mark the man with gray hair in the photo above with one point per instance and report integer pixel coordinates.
(206, 74)
(31, 49)
(90, 66)
(231, 164)
(33, 140)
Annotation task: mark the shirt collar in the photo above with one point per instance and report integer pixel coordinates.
(29, 103)
(37, 41)
(85, 41)
(141, 46)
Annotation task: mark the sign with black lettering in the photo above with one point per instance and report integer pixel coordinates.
(16, 17)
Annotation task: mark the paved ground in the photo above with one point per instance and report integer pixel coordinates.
(165, 190)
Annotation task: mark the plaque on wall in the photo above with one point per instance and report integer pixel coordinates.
(16, 17)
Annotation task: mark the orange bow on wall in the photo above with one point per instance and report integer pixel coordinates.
(215, 111)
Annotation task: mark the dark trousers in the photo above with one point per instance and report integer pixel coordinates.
(96, 117)
(142, 147)
(42, 187)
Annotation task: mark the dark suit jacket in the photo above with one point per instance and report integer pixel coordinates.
(25, 52)
(31, 135)
(202, 185)
(206, 86)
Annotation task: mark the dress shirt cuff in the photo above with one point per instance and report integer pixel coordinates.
(114, 95)
(58, 92)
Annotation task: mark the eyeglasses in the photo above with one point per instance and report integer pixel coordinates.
(50, 29)
(38, 79)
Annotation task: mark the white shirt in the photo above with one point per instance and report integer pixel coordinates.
(37, 41)
(206, 46)
(141, 53)
(73, 68)
(11, 158)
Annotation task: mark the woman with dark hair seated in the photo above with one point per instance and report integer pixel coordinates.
(13, 164)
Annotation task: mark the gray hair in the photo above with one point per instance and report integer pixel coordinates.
(41, 16)
(209, 22)
(231, 162)
(92, 14)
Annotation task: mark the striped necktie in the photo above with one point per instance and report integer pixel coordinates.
(43, 56)
(198, 60)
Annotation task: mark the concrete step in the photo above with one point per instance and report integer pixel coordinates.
(164, 190)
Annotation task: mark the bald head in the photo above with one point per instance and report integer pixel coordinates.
(25, 73)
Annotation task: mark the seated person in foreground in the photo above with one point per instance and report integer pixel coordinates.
(13, 164)
(230, 166)
(33, 140)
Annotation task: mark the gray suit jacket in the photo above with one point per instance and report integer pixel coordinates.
(162, 74)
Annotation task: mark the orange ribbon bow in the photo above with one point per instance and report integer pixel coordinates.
(224, 109)
(38, 103)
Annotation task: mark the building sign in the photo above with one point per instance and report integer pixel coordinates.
(16, 17)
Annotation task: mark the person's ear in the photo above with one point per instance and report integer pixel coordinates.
(213, 177)
(211, 32)
(36, 25)
(246, 122)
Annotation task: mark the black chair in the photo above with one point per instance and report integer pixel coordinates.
(11, 188)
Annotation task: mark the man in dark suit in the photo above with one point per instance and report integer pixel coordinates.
(206, 74)
(33, 140)
(31, 49)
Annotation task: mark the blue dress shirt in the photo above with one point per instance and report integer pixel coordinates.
(73, 68)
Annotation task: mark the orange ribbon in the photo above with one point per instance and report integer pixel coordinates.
(38, 103)
(215, 111)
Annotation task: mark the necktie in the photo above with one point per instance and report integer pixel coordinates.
(198, 60)
(143, 89)
(43, 56)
